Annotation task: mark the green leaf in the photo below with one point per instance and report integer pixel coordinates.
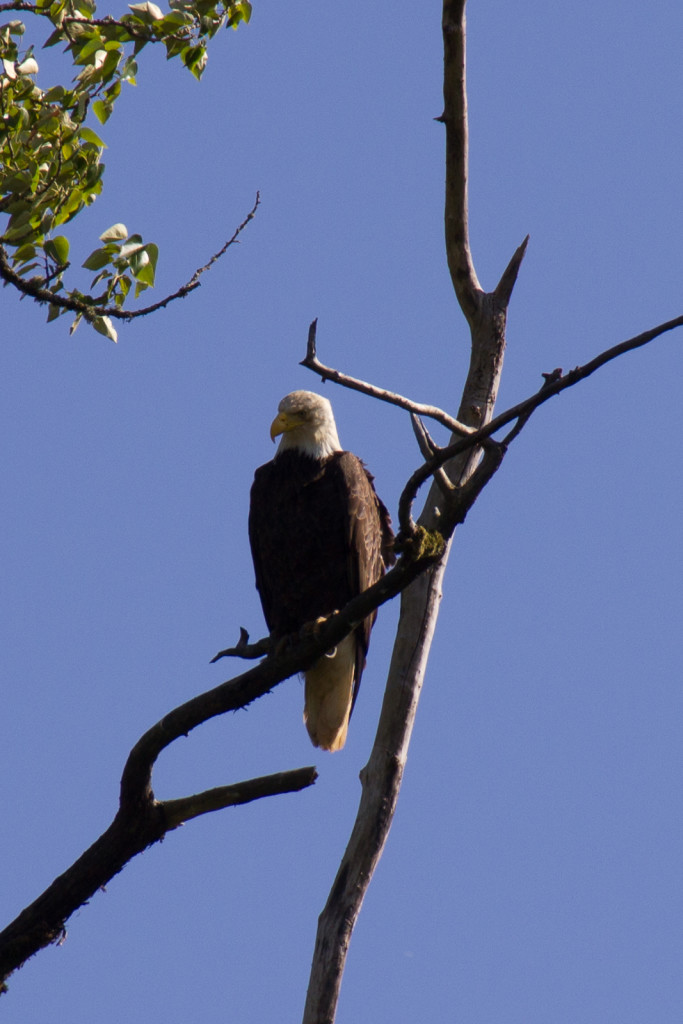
(56, 37)
(90, 47)
(55, 94)
(144, 271)
(58, 249)
(176, 19)
(194, 58)
(152, 251)
(100, 111)
(24, 253)
(103, 325)
(147, 11)
(237, 13)
(97, 259)
(145, 276)
(132, 246)
(88, 135)
(116, 233)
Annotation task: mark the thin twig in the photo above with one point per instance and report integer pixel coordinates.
(556, 382)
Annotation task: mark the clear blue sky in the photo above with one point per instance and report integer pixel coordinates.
(533, 873)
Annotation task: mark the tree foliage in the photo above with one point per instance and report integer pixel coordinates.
(51, 154)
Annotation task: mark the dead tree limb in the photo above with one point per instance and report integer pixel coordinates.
(141, 820)
(459, 473)
(381, 778)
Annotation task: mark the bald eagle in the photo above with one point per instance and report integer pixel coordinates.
(319, 536)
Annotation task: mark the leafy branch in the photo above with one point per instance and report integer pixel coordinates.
(50, 158)
(129, 255)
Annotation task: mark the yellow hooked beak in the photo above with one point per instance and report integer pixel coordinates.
(281, 424)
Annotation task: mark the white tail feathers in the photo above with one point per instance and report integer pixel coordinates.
(329, 695)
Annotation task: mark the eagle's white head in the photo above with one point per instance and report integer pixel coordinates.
(306, 423)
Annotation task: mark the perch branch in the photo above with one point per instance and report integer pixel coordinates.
(141, 820)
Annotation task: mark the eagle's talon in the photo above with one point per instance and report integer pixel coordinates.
(313, 628)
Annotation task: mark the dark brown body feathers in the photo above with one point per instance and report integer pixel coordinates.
(319, 536)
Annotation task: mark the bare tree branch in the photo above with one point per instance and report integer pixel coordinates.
(177, 812)
(470, 466)
(311, 362)
(454, 117)
(503, 292)
(429, 449)
(555, 383)
(133, 829)
(141, 820)
(382, 776)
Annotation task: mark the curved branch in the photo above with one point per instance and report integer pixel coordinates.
(311, 362)
(132, 831)
(141, 820)
(428, 448)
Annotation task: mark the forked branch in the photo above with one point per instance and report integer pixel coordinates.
(142, 820)
(382, 776)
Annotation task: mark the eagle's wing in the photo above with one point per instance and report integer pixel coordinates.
(369, 542)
